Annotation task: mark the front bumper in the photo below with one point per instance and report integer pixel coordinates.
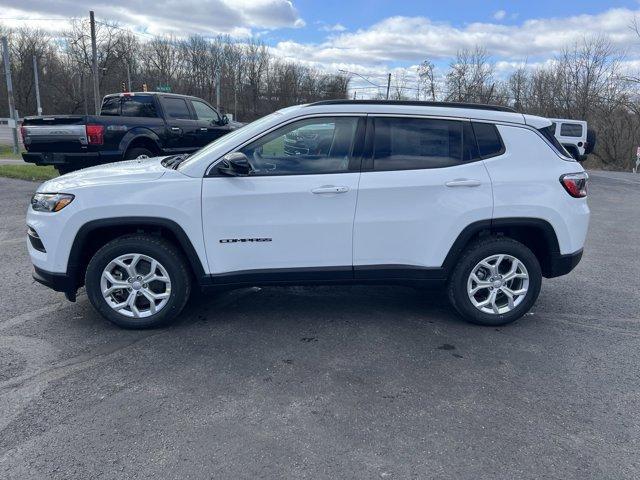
(60, 282)
(562, 264)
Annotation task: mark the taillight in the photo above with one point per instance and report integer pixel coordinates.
(575, 184)
(95, 134)
(23, 132)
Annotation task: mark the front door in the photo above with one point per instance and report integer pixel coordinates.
(292, 217)
(209, 122)
(423, 185)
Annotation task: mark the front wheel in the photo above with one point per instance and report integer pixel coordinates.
(495, 282)
(138, 281)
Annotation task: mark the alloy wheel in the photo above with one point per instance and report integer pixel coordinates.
(498, 284)
(135, 285)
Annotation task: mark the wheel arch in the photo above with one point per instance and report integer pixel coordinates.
(96, 233)
(141, 138)
(535, 233)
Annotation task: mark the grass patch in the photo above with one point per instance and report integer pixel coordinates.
(28, 172)
(6, 151)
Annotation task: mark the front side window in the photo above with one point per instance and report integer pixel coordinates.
(415, 143)
(205, 112)
(312, 146)
(177, 108)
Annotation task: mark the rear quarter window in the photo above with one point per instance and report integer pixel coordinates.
(489, 141)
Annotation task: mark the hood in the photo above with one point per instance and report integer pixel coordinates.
(129, 171)
(233, 125)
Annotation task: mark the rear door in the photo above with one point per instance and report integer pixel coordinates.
(209, 123)
(423, 184)
(181, 125)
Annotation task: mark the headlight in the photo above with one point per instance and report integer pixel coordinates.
(50, 202)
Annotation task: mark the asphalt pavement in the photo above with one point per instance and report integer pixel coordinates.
(329, 382)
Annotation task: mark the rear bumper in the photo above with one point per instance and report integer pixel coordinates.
(76, 160)
(60, 282)
(562, 264)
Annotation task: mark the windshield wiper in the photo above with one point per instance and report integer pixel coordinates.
(174, 160)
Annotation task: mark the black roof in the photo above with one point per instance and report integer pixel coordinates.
(414, 103)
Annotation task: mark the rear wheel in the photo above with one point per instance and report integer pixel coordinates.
(495, 282)
(138, 281)
(138, 152)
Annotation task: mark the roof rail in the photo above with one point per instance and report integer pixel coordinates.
(413, 103)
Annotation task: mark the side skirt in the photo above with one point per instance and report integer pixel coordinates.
(366, 275)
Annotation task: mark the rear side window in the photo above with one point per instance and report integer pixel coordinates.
(414, 143)
(138, 106)
(489, 141)
(110, 106)
(570, 130)
(177, 108)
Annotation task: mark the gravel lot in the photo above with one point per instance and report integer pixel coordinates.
(331, 382)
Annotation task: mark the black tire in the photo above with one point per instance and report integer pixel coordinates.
(138, 152)
(457, 286)
(157, 248)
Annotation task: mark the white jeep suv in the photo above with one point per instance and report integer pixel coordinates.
(478, 199)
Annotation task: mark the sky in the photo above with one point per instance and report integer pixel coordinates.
(367, 37)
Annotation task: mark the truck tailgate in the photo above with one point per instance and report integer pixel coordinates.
(54, 138)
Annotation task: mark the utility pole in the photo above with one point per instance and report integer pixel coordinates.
(218, 90)
(12, 107)
(35, 79)
(388, 85)
(94, 64)
(128, 78)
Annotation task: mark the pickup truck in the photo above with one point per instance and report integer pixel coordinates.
(130, 125)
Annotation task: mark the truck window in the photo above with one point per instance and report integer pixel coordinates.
(570, 130)
(110, 106)
(176, 108)
(205, 112)
(138, 106)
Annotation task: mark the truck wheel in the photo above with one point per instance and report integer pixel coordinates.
(134, 153)
(496, 281)
(138, 281)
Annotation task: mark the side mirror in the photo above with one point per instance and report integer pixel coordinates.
(235, 164)
(225, 120)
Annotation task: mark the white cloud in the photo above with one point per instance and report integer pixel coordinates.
(176, 17)
(411, 39)
(338, 27)
(500, 15)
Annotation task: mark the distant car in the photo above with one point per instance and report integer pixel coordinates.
(480, 199)
(574, 136)
(130, 125)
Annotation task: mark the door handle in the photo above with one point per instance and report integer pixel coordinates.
(463, 182)
(203, 129)
(330, 189)
(176, 129)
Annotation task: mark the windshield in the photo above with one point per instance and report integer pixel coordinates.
(548, 133)
(229, 137)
